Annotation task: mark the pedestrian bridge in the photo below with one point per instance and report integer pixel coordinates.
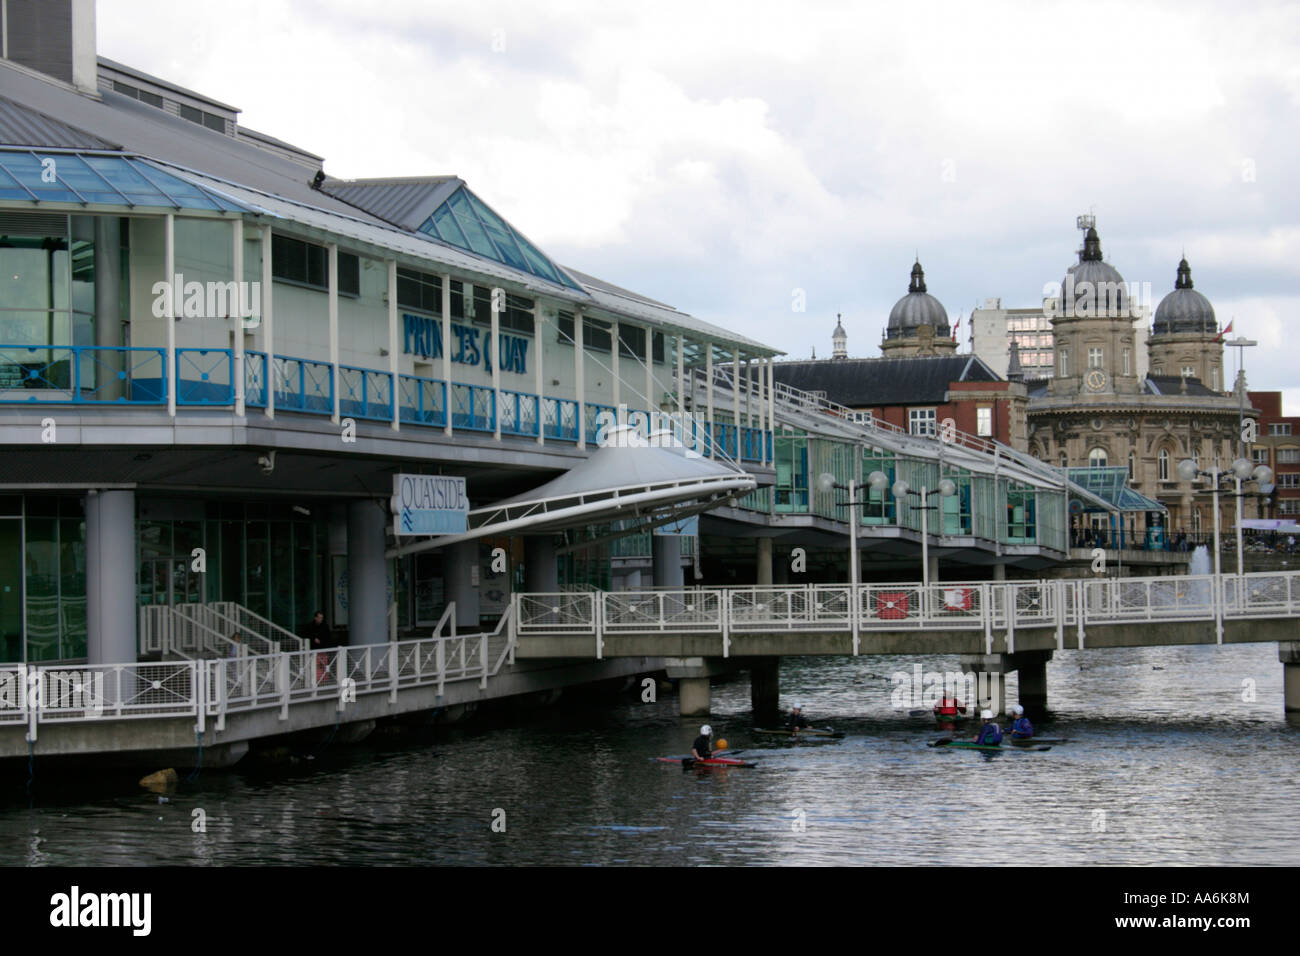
(948, 617)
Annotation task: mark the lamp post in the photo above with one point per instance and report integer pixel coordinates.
(946, 489)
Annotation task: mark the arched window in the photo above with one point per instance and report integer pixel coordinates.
(1097, 458)
(1063, 356)
(1132, 467)
(1196, 520)
(1163, 464)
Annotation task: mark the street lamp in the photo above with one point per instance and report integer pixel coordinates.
(946, 489)
(1240, 470)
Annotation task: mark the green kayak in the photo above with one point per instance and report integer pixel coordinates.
(971, 745)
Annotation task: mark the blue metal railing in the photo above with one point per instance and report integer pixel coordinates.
(82, 375)
(89, 374)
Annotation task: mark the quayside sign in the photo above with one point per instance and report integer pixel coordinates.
(429, 504)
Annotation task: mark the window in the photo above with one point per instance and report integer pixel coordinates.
(921, 421)
(1288, 456)
(1196, 521)
(1214, 376)
(1158, 370)
(1289, 506)
(1097, 458)
(1188, 372)
(144, 96)
(1279, 428)
(1289, 479)
(306, 263)
(1259, 456)
(1128, 361)
(596, 335)
(984, 422)
(1063, 356)
(1094, 358)
(1162, 465)
(420, 291)
(1132, 467)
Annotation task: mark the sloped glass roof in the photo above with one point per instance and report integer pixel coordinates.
(463, 220)
(1111, 485)
(102, 179)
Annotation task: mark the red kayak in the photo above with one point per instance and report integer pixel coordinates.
(709, 761)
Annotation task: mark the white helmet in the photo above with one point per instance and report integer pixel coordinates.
(986, 715)
(706, 731)
(1017, 710)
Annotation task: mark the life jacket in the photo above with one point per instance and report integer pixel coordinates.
(990, 734)
(947, 707)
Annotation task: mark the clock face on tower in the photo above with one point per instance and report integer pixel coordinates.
(1095, 380)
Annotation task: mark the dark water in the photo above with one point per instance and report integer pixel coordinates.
(1167, 764)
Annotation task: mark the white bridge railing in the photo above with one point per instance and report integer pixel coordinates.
(1002, 607)
(211, 689)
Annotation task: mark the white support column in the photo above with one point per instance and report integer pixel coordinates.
(735, 394)
(651, 406)
(539, 382)
(334, 325)
(237, 313)
(169, 270)
(681, 377)
(617, 392)
(493, 353)
(268, 324)
(393, 369)
(771, 403)
(446, 349)
(708, 389)
(579, 378)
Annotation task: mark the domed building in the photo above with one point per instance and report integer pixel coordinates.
(1185, 335)
(918, 323)
(1096, 411)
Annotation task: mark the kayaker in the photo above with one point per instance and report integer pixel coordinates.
(702, 749)
(990, 734)
(797, 721)
(1021, 728)
(949, 707)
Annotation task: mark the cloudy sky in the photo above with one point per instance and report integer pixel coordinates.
(729, 157)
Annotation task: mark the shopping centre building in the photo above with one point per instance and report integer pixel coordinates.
(217, 362)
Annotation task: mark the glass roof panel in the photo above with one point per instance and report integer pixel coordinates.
(465, 221)
(104, 179)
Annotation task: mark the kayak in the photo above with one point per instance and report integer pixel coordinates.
(709, 761)
(806, 732)
(1031, 741)
(971, 745)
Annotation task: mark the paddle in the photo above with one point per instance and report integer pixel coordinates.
(941, 742)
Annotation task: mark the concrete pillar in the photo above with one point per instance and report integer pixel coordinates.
(541, 570)
(1031, 666)
(765, 689)
(459, 572)
(666, 553)
(367, 576)
(1289, 655)
(999, 572)
(933, 560)
(632, 579)
(110, 577)
(693, 696)
(764, 561)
